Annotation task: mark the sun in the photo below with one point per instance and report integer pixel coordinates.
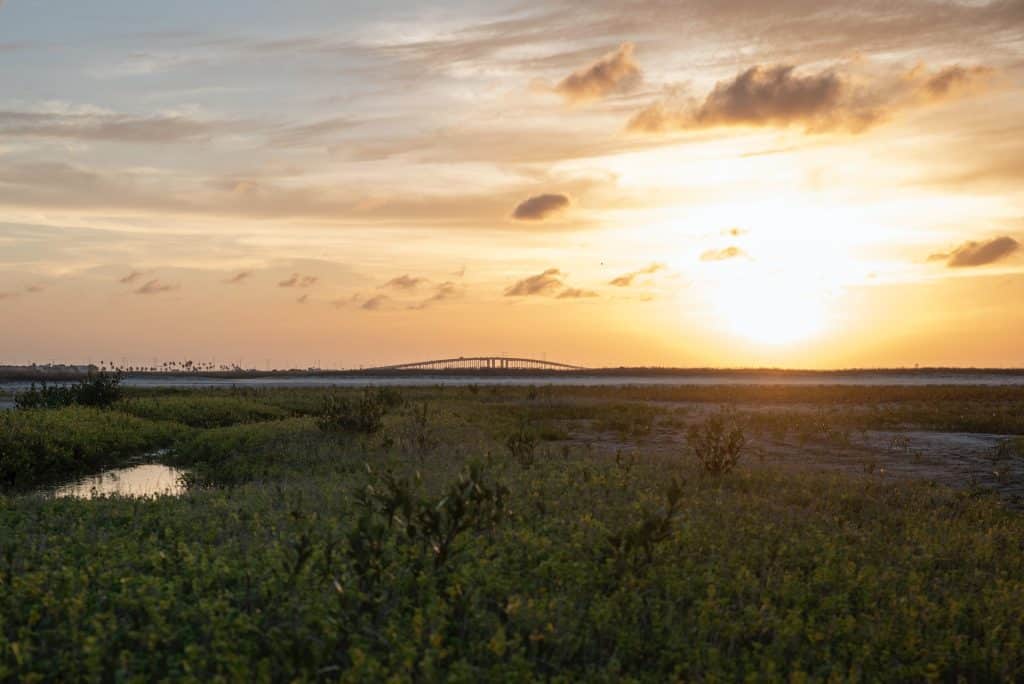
(770, 308)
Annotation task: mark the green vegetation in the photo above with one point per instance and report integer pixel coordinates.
(97, 389)
(43, 445)
(454, 541)
(202, 411)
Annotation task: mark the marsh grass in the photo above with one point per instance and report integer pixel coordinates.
(305, 555)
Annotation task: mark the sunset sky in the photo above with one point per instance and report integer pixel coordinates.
(801, 183)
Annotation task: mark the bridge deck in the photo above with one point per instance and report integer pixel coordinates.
(482, 363)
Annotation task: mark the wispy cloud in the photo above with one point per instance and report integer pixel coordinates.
(731, 252)
(104, 126)
(299, 280)
(627, 279)
(540, 284)
(131, 277)
(376, 303)
(444, 292)
(238, 278)
(576, 293)
(404, 282)
(153, 287)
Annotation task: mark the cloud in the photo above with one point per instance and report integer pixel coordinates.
(34, 289)
(155, 287)
(954, 79)
(309, 135)
(299, 280)
(131, 277)
(834, 99)
(540, 284)
(445, 291)
(238, 278)
(627, 279)
(376, 303)
(978, 253)
(303, 299)
(576, 293)
(540, 207)
(103, 126)
(614, 73)
(731, 252)
(404, 282)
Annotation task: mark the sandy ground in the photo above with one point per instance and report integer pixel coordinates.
(954, 459)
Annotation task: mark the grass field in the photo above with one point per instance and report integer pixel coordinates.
(484, 533)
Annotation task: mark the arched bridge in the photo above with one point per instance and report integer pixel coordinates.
(483, 363)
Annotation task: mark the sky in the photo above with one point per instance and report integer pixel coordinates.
(802, 183)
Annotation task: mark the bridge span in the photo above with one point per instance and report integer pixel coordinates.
(482, 363)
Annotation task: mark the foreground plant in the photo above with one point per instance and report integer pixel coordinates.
(363, 414)
(718, 441)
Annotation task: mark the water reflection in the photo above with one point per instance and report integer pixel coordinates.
(137, 481)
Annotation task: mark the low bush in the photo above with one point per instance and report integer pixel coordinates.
(201, 411)
(43, 445)
(246, 452)
(717, 442)
(363, 414)
(98, 390)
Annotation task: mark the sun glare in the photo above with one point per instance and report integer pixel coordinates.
(770, 309)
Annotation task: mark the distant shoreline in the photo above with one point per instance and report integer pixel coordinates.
(69, 374)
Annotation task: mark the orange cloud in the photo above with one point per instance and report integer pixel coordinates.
(978, 253)
(615, 72)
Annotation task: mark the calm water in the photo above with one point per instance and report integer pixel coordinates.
(135, 481)
(865, 378)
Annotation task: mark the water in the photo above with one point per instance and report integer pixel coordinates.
(136, 481)
(868, 378)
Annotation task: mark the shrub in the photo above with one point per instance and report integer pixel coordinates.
(418, 433)
(363, 414)
(100, 390)
(469, 503)
(522, 445)
(718, 442)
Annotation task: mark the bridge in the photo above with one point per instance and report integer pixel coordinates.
(482, 363)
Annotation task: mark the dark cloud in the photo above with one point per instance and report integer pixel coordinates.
(131, 277)
(34, 289)
(978, 253)
(615, 72)
(540, 207)
(239, 277)
(828, 100)
(731, 252)
(404, 282)
(299, 280)
(155, 287)
(627, 279)
(104, 127)
(541, 284)
(576, 293)
(376, 303)
(303, 299)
